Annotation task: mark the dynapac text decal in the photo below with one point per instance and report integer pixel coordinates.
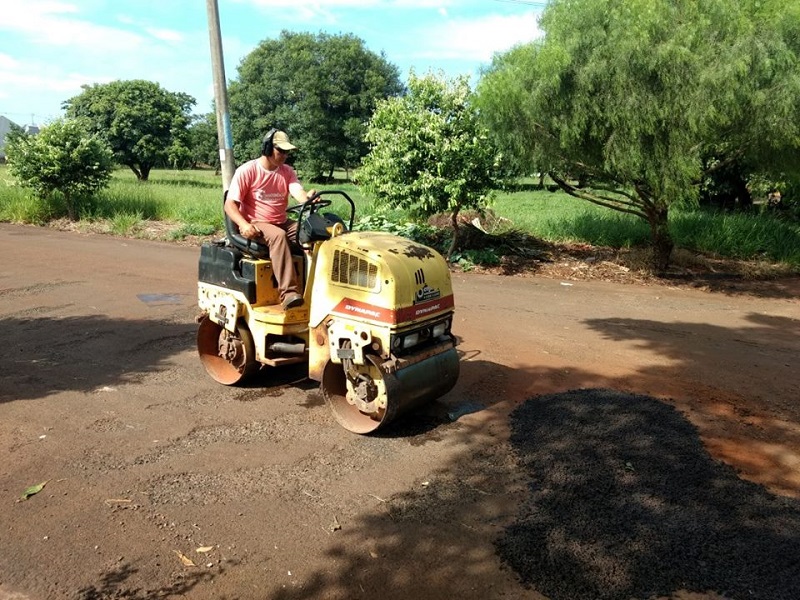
(353, 308)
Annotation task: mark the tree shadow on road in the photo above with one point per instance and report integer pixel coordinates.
(116, 583)
(44, 356)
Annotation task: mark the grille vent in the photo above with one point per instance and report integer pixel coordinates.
(353, 270)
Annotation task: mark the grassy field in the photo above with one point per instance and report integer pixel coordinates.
(188, 203)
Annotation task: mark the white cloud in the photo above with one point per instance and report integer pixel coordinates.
(57, 24)
(478, 39)
(165, 35)
(8, 62)
(92, 53)
(42, 80)
(309, 10)
(41, 76)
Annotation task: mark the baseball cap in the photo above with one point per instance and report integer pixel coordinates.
(281, 140)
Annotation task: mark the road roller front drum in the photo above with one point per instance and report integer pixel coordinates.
(397, 391)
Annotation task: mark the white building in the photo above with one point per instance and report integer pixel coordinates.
(5, 127)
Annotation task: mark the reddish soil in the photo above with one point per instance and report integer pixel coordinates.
(160, 483)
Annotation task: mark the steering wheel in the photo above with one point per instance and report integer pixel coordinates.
(315, 204)
(310, 206)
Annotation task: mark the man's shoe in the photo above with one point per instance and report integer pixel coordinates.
(292, 300)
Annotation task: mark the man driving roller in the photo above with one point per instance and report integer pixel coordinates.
(257, 200)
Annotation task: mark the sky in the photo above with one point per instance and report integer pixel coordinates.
(50, 48)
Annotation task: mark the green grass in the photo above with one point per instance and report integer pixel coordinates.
(559, 218)
(737, 235)
(181, 196)
(190, 203)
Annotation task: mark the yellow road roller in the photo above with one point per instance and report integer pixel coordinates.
(374, 330)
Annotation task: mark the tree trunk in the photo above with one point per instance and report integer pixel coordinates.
(145, 172)
(661, 239)
(136, 171)
(68, 200)
(454, 243)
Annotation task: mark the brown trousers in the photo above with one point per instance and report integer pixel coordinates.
(278, 237)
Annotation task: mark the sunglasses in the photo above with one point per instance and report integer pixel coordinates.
(281, 150)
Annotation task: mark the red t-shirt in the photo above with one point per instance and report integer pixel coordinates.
(263, 195)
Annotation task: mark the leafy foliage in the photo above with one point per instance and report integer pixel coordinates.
(144, 124)
(429, 154)
(418, 232)
(203, 141)
(633, 97)
(321, 88)
(62, 158)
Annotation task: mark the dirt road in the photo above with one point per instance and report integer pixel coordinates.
(160, 483)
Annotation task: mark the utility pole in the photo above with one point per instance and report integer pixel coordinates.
(224, 132)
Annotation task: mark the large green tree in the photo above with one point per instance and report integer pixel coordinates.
(429, 153)
(63, 158)
(635, 97)
(144, 124)
(320, 88)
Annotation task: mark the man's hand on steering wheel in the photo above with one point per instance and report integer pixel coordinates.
(314, 203)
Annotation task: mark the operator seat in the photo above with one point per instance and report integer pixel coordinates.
(238, 241)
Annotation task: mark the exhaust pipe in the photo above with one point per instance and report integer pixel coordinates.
(286, 348)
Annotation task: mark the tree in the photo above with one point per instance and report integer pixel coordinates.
(321, 88)
(429, 154)
(203, 141)
(62, 158)
(634, 98)
(142, 122)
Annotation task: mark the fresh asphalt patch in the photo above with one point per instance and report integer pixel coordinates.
(625, 503)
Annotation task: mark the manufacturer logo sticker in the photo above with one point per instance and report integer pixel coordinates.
(426, 293)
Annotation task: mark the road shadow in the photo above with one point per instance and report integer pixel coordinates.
(732, 284)
(116, 583)
(690, 342)
(44, 356)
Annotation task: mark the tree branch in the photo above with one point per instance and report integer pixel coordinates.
(605, 201)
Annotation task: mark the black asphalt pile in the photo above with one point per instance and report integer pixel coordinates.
(626, 503)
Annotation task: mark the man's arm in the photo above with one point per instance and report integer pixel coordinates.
(247, 229)
(298, 193)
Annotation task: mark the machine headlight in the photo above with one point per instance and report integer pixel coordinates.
(412, 339)
(429, 333)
